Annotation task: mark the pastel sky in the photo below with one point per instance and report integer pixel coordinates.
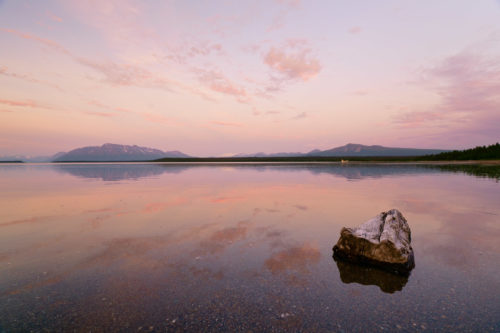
(211, 78)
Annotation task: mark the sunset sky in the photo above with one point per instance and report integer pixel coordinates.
(212, 78)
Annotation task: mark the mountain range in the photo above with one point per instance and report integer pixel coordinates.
(114, 152)
(110, 152)
(31, 159)
(353, 149)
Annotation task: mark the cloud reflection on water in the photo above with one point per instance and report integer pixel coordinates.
(463, 232)
(209, 240)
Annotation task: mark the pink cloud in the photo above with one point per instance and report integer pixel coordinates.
(100, 114)
(54, 17)
(469, 87)
(417, 118)
(46, 42)
(29, 104)
(280, 18)
(272, 112)
(355, 30)
(126, 75)
(132, 75)
(293, 61)
(156, 118)
(5, 72)
(181, 54)
(360, 92)
(224, 123)
(216, 81)
(108, 107)
(119, 21)
(291, 3)
(301, 115)
(204, 49)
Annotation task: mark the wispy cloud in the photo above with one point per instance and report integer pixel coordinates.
(293, 61)
(108, 107)
(359, 92)
(46, 42)
(279, 20)
(54, 17)
(182, 54)
(5, 72)
(10, 102)
(157, 118)
(272, 112)
(126, 75)
(99, 114)
(216, 81)
(301, 115)
(119, 21)
(225, 123)
(469, 87)
(204, 49)
(290, 3)
(355, 30)
(118, 74)
(417, 118)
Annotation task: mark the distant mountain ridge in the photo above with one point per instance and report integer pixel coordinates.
(110, 152)
(353, 149)
(31, 159)
(269, 155)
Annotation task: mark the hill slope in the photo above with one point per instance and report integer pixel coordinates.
(490, 152)
(113, 152)
(353, 149)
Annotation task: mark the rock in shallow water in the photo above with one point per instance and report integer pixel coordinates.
(383, 241)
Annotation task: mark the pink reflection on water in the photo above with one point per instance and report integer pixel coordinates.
(286, 220)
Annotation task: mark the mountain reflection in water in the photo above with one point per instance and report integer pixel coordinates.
(115, 171)
(133, 171)
(240, 247)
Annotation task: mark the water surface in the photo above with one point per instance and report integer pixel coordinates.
(150, 247)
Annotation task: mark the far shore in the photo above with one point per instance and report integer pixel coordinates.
(223, 161)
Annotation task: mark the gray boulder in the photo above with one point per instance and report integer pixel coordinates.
(383, 241)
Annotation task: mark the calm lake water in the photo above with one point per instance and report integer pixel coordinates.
(144, 247)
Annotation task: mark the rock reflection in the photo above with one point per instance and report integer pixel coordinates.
(366, 275)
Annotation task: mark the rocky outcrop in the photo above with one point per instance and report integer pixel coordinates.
(383, 241)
